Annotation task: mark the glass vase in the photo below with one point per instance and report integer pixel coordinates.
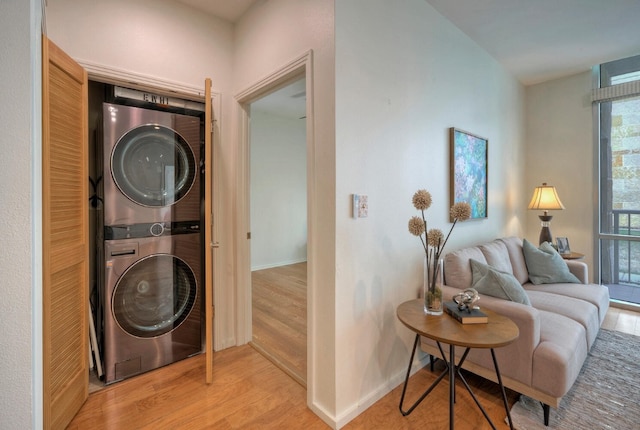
(433, 280)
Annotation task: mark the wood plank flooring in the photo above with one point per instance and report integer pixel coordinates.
(250, 392)
(279, 303)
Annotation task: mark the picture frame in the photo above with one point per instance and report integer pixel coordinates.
(469, 159)
(563, 245)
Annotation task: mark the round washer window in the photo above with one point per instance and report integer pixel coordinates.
(153, 165)
(154, 296)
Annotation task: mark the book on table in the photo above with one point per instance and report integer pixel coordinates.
(476, 316)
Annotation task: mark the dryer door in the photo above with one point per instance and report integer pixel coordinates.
(153, 165)
(154, 296)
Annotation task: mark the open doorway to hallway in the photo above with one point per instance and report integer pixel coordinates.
(278, 214)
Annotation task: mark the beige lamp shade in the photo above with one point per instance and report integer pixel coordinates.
(545, 198)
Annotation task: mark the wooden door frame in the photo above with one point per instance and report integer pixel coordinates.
(301, 66)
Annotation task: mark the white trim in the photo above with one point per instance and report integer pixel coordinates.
(301, 65)
(278, 264)
(276, 80)
(129, 79)
(242, 229)
(364, 403)
(337, 422)
(37, 311)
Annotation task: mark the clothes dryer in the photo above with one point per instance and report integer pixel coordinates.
(153, 296)
(151, 166)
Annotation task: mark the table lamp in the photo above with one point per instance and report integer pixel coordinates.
(545, 198)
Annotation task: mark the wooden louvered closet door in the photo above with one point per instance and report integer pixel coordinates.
(64, 236)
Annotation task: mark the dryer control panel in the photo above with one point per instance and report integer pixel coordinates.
(150, 229)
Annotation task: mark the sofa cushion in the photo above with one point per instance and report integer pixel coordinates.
(497, 256)
(457, 269)
(597, 295)
(545, 265)
(518, 264)
(581, 311)
(487, 280)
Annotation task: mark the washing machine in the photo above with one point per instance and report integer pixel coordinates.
(154, 305)
(151, 169)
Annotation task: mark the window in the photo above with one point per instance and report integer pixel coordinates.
(617, 103)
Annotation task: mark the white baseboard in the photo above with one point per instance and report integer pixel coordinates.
(363, 404)
(278, 264)
(226, 343)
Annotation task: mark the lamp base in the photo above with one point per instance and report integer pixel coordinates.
(545, 233)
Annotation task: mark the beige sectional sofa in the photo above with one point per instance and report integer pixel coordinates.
(557, 329)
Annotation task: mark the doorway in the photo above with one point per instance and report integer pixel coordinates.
(278, 225)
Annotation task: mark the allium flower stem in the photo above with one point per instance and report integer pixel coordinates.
(424, 244)
(449, 234)
(425, 241)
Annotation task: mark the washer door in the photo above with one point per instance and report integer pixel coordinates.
(153, 165)
(154, 296)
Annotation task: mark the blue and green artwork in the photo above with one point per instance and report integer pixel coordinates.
(469, 171)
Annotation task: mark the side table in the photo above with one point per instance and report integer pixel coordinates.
(572, 256)
(497, 332)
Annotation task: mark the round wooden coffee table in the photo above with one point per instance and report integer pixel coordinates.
(497, 332)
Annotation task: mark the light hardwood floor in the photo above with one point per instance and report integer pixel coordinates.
(623, 320)
(250, 392)
(279, 309)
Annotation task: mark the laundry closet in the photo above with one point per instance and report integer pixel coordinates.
(146, 198)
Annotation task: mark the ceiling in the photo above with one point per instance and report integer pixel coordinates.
(535, 40)
(229, 10)
(540, 40)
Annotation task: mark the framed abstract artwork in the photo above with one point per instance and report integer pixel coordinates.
(469, 171)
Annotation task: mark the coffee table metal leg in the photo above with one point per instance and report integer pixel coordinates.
(504, 395)
(475, 399)
(406, 382)
(452, 369)
(452, 384)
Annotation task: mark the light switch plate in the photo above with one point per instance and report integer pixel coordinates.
(360, 206)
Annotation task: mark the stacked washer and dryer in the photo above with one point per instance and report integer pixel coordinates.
(151, 285)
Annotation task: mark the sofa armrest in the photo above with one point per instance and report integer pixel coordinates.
(527, 318)
(579, 269)
(515, 359)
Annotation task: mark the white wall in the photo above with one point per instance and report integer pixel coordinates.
(560, 151)
(404, 75)
(20, 265)
(158, 38)
(278, 190)
(268, 37)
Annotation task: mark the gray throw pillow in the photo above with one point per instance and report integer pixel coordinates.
(492, 282)
(545, 265)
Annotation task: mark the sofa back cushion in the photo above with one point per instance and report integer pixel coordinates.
(497, 256)
(457, 268)
(516, 255)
